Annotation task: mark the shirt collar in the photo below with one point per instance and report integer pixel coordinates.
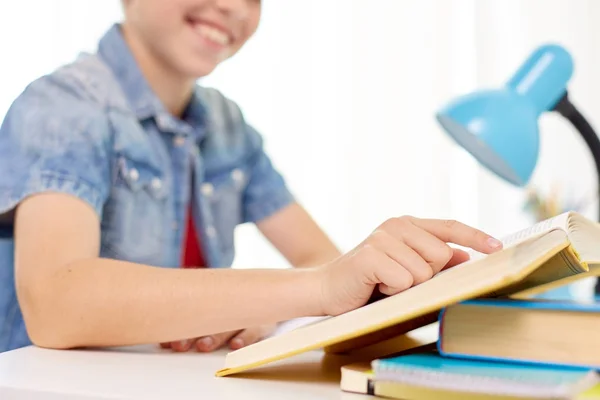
(115, 52)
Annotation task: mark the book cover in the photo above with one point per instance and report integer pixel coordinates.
(542, 347)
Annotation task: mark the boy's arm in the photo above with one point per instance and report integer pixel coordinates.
(297, 236)
(70, 298)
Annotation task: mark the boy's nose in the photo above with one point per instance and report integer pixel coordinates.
(237, 9)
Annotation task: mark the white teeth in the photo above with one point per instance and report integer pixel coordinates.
(213, 34)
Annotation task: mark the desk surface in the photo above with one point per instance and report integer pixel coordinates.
(148, 372)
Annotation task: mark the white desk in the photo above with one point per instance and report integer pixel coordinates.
(148, 373)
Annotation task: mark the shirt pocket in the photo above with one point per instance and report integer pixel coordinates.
(134, 216)
(225, 193)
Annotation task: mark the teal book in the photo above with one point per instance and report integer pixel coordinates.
(501, 379)
(548, 332)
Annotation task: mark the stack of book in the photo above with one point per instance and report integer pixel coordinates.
(497, 338)
(495, 349)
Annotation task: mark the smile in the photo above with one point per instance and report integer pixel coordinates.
(212, 33)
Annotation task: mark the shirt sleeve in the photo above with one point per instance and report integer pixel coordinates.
(53, 141)
(267, 191)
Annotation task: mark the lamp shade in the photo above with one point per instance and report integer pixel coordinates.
(500, 127)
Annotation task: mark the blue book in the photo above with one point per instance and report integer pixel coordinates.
(400, 377)
(558, 333)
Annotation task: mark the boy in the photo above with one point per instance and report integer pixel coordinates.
(117, 169)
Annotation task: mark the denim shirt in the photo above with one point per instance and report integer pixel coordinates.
(95, 130)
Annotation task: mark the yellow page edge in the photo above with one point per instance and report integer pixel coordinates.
(534, 291)
(397, 390)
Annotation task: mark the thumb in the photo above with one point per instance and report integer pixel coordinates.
(458, 257)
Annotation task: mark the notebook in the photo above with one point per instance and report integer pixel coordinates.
(399, 377)
(536, 260)
(358, 376)
(591, 394)
(535, 331)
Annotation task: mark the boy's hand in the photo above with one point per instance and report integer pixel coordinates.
(400, 253)
(235, 339)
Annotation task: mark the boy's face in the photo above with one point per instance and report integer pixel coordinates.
(193, 36)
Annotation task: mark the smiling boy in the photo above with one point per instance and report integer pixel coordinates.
(122, 184)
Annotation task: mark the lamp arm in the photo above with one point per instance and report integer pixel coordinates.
(565, 108)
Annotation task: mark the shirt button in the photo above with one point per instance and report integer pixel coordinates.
(156, 184)
(207, 189)
(163, 120)
(134, 175)
(211, 232)
(179, 141)
(237, 175)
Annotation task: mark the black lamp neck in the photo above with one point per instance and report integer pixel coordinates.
(568, 110)
(565, 108)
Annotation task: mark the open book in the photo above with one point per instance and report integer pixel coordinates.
(541, 258)
(583, 233)
(584, 238)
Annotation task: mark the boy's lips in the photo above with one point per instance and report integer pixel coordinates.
(215, 34)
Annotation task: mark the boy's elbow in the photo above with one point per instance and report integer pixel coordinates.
(46, 319)
(50, 335)
(50, 340)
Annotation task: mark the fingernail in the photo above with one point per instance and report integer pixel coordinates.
(207, 342)
(494, 243)
(184, 344)
(179, 345)
(237, 343)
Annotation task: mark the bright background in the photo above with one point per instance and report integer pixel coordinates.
(344, 92)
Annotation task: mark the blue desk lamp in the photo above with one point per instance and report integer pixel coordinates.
(500, 127)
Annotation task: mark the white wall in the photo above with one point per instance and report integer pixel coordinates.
(350, 89)
(344, 92)
(36, 36)
(506, 33)
(367, 76)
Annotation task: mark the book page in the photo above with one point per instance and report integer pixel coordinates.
(290, 325)
(585, 236)
(562, 267)
(560, 221)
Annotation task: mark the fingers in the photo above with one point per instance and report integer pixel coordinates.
(456, 232)
(180, 346)
(237, 339)
(428, 238)
(250, 336)
(391, 277)
(458, 257)
(405, 256)
(433, 250)
(214, 342)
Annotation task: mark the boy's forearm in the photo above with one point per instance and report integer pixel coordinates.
(104, 302)
(319, 258)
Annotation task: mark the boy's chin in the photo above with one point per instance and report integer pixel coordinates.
(199, 69)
